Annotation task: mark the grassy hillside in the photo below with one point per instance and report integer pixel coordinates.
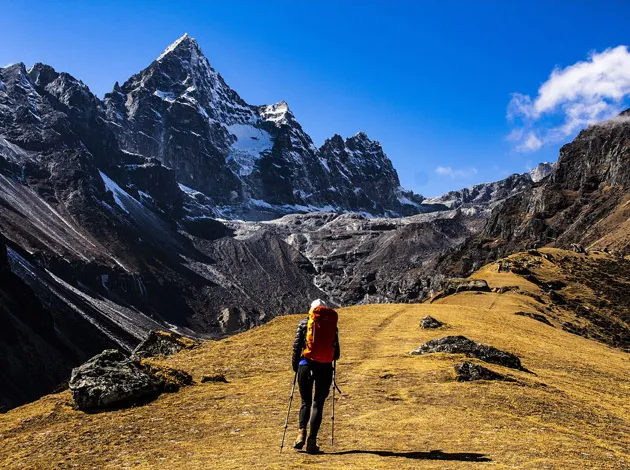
(397, 410)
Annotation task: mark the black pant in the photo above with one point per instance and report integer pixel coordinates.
(320, 374)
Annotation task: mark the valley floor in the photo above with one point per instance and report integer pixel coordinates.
(396, 411)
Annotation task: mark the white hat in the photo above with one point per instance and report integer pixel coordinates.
(317, 303)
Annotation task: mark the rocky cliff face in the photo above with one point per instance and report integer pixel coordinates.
(359, 260)
(585, 200)
(360, 173)
(247, 160)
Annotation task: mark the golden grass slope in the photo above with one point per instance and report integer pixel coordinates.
(397, 411)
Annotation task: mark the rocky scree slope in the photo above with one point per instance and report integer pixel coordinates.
(359, 260)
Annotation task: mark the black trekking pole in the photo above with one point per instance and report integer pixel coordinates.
(332, 435)
(286, 421)
(335, 387)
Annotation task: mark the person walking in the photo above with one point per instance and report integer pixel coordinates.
(315, 348)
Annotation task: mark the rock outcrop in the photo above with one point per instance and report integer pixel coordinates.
(541, 171)
(162, 343)
(469, 371)
(428, 323)
(535, 316)
(463, 345)
(217, 378)
(455, 286)
(111, 380)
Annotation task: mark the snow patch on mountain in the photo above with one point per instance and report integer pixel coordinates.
(250, 145)
(165, 95)
(407, 201)
(292, 208)
(189, 191)
(12, 151)
(120, 195)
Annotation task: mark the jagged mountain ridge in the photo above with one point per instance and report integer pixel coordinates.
(489, 194)
(541, 171)
(180, 111)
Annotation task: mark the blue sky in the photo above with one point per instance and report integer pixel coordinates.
(432, 81)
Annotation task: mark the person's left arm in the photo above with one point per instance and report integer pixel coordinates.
(298, 344)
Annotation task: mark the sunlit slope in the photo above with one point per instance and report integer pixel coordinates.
(573, 411)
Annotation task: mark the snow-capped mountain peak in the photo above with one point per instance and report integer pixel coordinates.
(182, 112)
(278, 113)
(541, 171)
(184, 41)
(363, 137)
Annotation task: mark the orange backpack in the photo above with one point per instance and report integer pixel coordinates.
(321, 331)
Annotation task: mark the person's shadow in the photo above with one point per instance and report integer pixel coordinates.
(431, 455)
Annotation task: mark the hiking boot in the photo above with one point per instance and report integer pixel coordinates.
(311, 445)
(300, 439)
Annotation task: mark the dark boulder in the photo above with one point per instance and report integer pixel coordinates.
(467, 285)
(469, 371)
(455, 286)
(504, 289)
(110, 380)
(556, 298)
(162, 343)
(577, 248)
(429, 323)
(463, 345)
(535, 316)
(214, 378)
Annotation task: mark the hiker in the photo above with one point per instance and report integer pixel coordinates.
(315, 348)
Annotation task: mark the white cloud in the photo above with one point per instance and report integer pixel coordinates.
(462, 173)
(572, 98)
(531, 143)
